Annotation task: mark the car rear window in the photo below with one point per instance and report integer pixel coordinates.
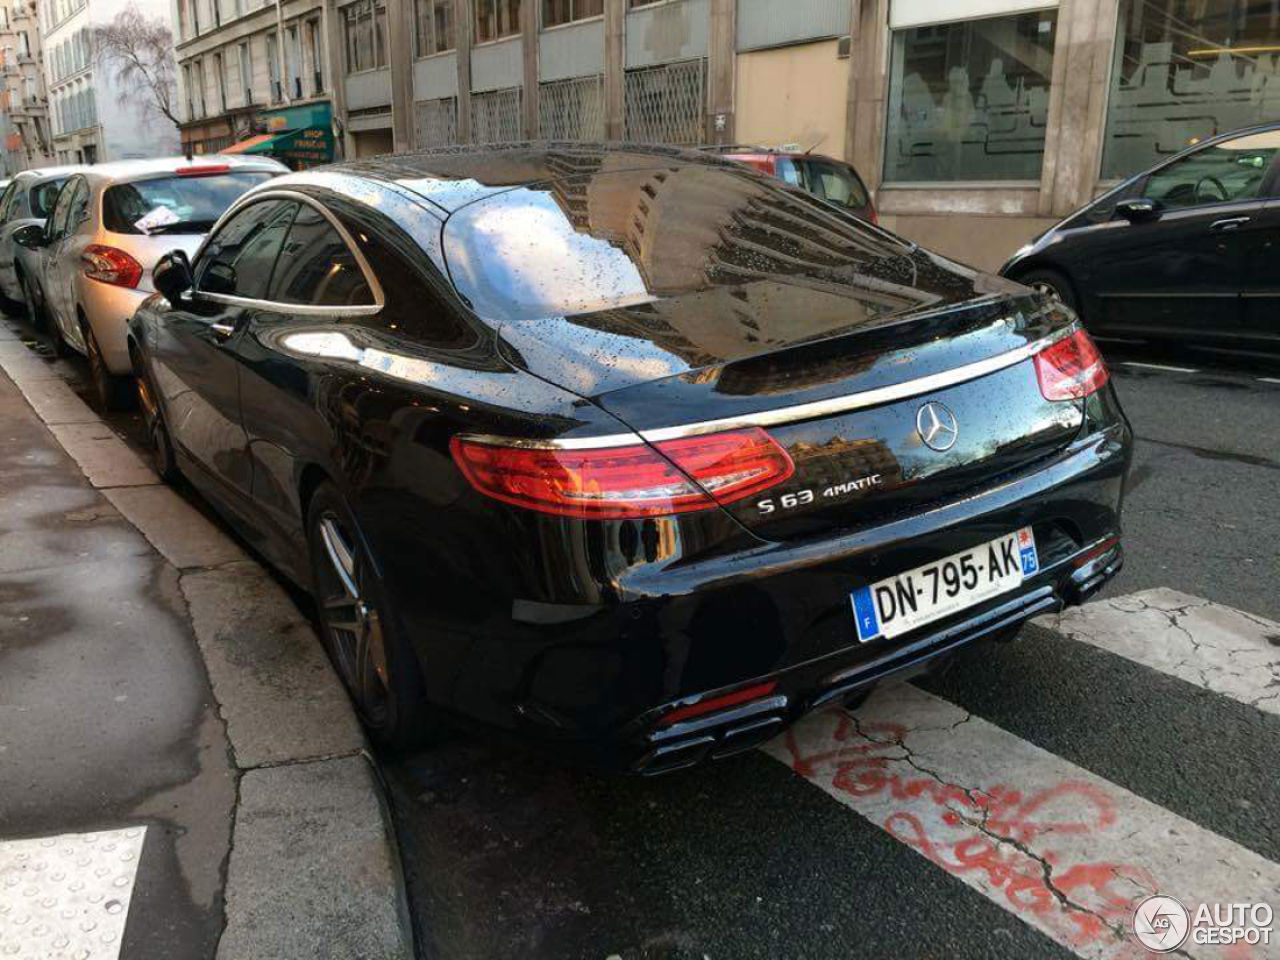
(43, 196)
(624, 238)
(175, 204)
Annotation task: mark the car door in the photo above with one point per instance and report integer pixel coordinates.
(55, 232)
(9, 205)
(194, 358)
(1180, 274)
(320, 287)
(1260, 285)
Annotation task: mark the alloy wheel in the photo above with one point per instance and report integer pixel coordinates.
(354, 626)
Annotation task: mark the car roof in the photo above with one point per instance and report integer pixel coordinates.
(451, 177)
(127, 170)
(44, 173)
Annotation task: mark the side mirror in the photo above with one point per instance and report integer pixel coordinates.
(1138, 210)
(31, 236)
(172, 275)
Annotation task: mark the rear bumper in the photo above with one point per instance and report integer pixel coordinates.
(662, 749)
(109, 310)
(598, 684)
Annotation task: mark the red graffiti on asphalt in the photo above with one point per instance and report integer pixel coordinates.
(995, 828)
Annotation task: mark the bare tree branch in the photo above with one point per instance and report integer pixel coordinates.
(139, 53)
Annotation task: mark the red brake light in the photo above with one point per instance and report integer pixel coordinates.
(110, 265)
(718, 703)
(203, 170)
(1071, 368)
(674, 476)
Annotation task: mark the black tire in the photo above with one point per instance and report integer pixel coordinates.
(163, 460)
(361, 632)
(112, 392)
(1053, 283)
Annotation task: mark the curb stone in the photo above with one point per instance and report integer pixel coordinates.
(314, 868)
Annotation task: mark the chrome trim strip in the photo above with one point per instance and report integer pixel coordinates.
(298, 309)
(803, 411)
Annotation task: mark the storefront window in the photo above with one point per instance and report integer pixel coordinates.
(969, 101)
(1185, 70)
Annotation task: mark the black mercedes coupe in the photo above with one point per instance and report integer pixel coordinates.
(635, 452)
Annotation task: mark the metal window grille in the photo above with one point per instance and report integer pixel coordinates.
(437, 122)
(571, 109)
(497, 115)
(667, 104)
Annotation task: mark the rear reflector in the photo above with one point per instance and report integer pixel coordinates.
(110, 265)
(718, 703)
(675, 476)
(203, 170)
(1071, 368)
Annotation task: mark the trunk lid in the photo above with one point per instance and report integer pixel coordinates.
(880, 420)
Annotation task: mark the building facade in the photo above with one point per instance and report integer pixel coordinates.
(24, 120)
(977, 123)
(92, 118)
(256, 71)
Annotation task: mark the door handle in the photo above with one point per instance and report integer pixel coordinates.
(1234, 223)
(222, 331)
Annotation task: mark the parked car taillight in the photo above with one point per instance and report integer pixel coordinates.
(673, 476)
(111, 265)
(1071, 368)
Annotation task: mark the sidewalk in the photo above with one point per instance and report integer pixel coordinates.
(180, 773)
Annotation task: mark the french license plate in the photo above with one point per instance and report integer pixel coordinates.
(899, 604)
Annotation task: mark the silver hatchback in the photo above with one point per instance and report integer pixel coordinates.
(109, 226)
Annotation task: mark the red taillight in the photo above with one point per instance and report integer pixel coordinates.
(110, 265)
(204, 170)
(872, 215)
(1070, 369)
(674, 476)
(718, 703)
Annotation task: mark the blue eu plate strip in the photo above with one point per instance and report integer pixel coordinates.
(864, 613)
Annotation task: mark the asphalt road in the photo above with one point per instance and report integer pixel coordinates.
(508, 853)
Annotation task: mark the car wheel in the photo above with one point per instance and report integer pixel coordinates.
(360, 631)
(112, 392)
(1054, 284)
(163, 460)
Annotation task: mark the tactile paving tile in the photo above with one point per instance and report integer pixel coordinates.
(67, 897)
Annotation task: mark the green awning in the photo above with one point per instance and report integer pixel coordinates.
(308, 145)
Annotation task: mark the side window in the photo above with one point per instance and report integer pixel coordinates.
(57, 224)
(44, 196)
(1225, 172)
(788, 171)
(317, 267)
(836, 184)
(240, 257)
(7, 201)
(79, 206)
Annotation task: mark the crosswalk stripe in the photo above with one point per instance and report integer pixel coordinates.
(1213, 646)
(1068, 852)
(67, 896)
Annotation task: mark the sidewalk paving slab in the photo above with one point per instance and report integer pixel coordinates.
(102, 456)
(310, 868)
(280, 698)
(178, 531)
(57, 403)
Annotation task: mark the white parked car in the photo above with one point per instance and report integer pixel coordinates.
(26, 200)
(108, 227)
